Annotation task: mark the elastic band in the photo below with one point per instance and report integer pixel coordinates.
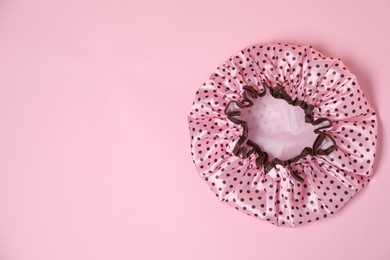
(262, 159)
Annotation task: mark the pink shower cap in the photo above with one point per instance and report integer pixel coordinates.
(283, 133)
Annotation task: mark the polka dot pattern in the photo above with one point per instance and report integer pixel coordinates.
(330, 181)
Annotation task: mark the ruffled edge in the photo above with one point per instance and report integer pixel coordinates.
(262, 159)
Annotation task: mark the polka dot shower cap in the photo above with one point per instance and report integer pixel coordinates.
(283, 133)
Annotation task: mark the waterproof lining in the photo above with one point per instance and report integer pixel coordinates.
(278, 92)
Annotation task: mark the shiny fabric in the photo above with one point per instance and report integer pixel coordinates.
(329, 181)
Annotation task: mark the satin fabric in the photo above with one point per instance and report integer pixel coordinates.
(330, 181)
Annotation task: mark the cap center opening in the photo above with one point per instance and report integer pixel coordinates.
(277, 127)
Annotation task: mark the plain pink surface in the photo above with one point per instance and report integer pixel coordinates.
(94, 144)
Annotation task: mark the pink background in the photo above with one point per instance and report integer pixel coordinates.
(94, 144)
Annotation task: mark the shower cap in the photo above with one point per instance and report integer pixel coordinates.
(283, 133)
